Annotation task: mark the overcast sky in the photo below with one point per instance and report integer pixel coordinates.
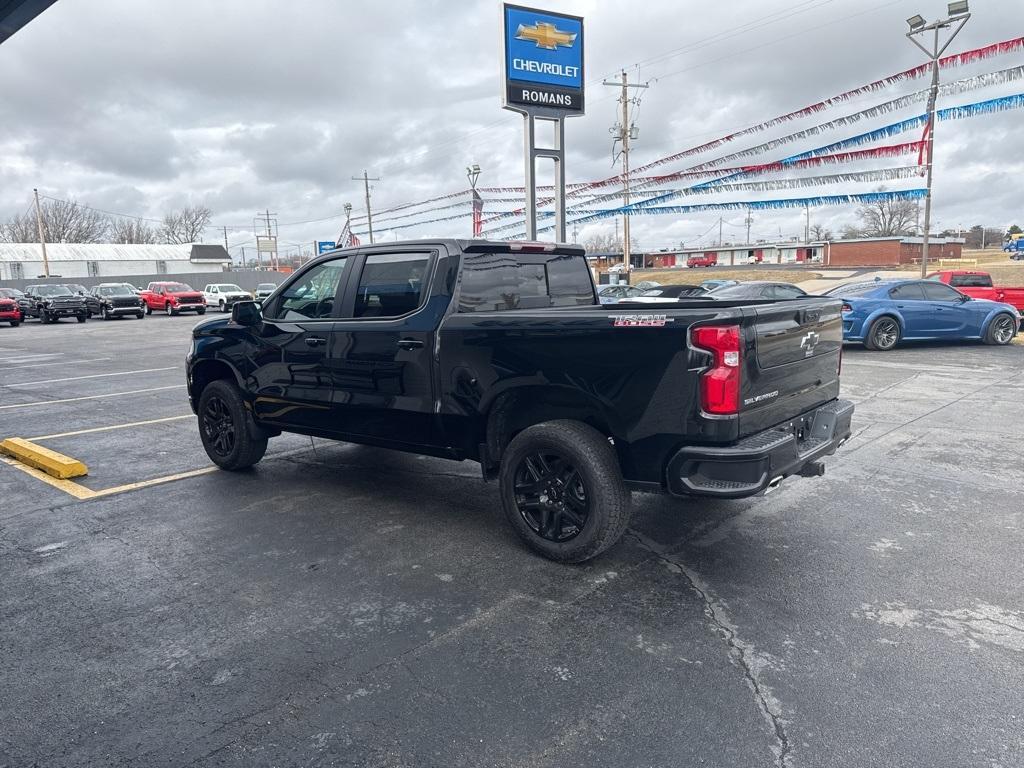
(138, 107)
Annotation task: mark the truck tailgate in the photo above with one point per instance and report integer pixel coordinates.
(792, 361)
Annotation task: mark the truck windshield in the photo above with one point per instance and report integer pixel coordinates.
(498, 281)
(53, 290)
(176, 287)
(113, 290)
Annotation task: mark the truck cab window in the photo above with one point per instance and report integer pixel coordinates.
(312, 296)
(391, 285)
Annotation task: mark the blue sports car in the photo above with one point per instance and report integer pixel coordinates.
(884, 312)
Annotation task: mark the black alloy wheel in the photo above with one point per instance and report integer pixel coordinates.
(551, 496)
(218, 426)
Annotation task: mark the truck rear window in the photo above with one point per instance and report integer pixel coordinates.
(496, 281)
(970, 281)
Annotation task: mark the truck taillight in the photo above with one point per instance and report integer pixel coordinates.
(720, 384)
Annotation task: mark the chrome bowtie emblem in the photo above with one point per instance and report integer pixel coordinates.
(808, 343)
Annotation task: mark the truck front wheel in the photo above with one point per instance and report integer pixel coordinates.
(228, 434)
(562, 490)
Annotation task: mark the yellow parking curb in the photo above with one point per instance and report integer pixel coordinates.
(52, 463)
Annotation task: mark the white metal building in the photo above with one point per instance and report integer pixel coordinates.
(24, 261)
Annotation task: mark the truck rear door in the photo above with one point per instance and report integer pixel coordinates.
(791, 361)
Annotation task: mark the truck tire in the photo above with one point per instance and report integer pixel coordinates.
(169, 310)
(81, 318)
(562, 490)
(149, 310)
(226, 429)
(1000, 330)
(883, 335)
(223, 306)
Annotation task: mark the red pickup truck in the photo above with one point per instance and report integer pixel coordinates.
(978, 285)
(172, 298)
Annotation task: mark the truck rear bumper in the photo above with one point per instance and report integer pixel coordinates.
(758, 463)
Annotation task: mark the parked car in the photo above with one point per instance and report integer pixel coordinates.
(713, 285)
(703, 260)
(263, 290)
(499, 352)
(1015, 248)
(117, 300)
(611, 294)
(670, 294)
(52, 302)
(883, 313)
(173, 298)
(10, 312)
(224, 295)
(759, 289)
(19, 297)
(92, 305)
(978, 285)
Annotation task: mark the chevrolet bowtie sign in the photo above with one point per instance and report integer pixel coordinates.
(543, 60)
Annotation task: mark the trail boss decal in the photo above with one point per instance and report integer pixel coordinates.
(641, 321)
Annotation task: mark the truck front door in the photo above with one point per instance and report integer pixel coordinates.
(382, 352)
(292, 347)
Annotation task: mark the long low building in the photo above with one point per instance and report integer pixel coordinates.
(24, 261)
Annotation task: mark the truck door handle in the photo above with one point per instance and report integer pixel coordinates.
(410, 344)
(315, 341)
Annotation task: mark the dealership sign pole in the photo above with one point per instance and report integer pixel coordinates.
(543, 80)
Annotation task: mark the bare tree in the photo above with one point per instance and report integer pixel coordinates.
(132, 231)
(19, 229)
(64, 221)
(821, 232)
(186, 225)
(886, 217)
(851, 232)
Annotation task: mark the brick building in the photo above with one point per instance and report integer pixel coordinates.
(888, 251)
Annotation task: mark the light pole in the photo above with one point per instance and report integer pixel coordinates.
(959, 13)
(348, 226)
(473, 174)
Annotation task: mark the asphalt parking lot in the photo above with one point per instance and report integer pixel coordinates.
(342, 605)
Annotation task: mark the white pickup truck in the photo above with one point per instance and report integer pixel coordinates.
(224, 295)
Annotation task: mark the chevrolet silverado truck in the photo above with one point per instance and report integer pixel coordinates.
(172, 299)
(500, 353)
(224, 295)
(52, 302)
(979, 285)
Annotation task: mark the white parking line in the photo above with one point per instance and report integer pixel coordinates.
(115, 426)
(59, 362)
(90, 397)
(91, 376)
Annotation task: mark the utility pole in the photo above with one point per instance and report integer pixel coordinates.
(719, 231)
(225, 238)
(366, 179)
(42, 236)
(625, 132)
(958, 14)
(749, 221)
(807, 224)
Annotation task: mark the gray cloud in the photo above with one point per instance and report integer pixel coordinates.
(242, 106)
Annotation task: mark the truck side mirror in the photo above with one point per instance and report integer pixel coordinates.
(246, 313)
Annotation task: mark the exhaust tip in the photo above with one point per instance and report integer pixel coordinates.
(773, 484)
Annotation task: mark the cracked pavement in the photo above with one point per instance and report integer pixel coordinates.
(348, 606)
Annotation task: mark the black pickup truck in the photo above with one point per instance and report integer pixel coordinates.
(500, 353)
(52, 302)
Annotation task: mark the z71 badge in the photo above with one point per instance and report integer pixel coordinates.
(641, 321)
